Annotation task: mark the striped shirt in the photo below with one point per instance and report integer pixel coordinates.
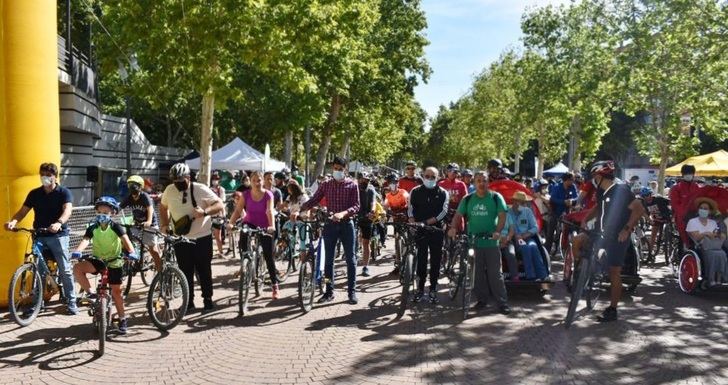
(340, 196)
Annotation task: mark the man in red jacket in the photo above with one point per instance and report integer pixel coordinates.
(409, 180)
(679, 196)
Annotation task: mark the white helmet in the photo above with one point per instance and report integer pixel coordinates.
(179, 171)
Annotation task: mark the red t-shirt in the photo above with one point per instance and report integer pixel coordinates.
(457, 190)
(590, 194)
(408, 184)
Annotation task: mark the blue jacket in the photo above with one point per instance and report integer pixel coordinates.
(522, 222)
(559, 196)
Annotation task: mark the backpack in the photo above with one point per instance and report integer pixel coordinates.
(467, 199)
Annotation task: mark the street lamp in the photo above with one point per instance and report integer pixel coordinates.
(124, 75)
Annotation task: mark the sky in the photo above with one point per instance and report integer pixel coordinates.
(465, 37)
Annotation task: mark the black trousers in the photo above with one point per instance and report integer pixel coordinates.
(266, 242)
(432, 241)
(197, 256)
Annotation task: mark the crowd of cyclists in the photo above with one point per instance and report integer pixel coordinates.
(358, 205)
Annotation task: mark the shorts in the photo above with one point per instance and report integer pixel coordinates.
(365, 228)
(218, 223)
(148, 239)
(115, 274)
(616, 251)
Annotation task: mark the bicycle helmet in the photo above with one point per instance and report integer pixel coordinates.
(392, 178)
(453, 167)
(179, 171)
(602, 167)
(135, 179)
(109, 202)
(645, 192)
(467, 172)
(495, 163)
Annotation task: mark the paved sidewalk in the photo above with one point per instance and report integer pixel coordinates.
(664, 337)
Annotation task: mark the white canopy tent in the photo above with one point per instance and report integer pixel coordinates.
(238, 155)
(559, 169)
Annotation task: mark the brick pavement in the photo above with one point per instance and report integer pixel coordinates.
(664, 337)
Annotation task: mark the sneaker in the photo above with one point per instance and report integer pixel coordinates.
(191, 306)
(433, 297)
(504, 309)
(327, 297)
(395, 272)
(480, 305)
(229, 251)
(72, 310)
(91, 296)
(365, 272)
(123, 326)
(418, 297)
(275, 291)
(208, 305)
(609, 315)
(352, 299)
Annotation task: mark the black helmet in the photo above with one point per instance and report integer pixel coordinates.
(363, 175)
(453, 167)
(467, 172)
(495, 163)
(391, 178)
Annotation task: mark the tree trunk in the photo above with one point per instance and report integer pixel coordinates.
(288, 149)
(327, 131)
(346, 146)
(169, 131)
(575, 153)
(208, 112)
(664, 158)
(517, 156)
(541, 150)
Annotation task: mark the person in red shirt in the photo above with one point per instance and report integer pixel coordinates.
(456, 188)
(679, 198)
(409, 180)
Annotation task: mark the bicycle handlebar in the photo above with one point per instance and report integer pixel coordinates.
(169, 238)
(32, 231)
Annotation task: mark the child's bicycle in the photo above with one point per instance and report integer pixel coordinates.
(34, 282)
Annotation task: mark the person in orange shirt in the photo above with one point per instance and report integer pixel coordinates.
(396, 200)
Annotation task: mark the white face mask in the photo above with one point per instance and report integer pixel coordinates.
(46, 180)
(338, 175)
(393, 186)
(689, 177)
(430, 183)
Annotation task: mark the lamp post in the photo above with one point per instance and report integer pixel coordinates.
(307, 150)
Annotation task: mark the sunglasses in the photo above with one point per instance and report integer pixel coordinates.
(184, 197)
(409, 168)
(430, 177)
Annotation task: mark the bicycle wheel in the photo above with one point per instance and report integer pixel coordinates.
(306, 284)
(454, 280)
(130, 268)
(467, 289)
(146, 267)
(259, 275)
(282, 260)
(25, 295)
(407, 273)
(246, 275)
(581, 276)
(168, 298)
(101, 322)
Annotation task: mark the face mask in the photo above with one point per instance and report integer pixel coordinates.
(295, 173)
(544, 191)
(519, 209)
(103, 219)
(215, 182)
(46, 180)
(135, 188)
(594, 182)
(703, 213)
(181, 186)
(689, 177)
(430, 183)
(363, 185)
(338, 175)
(393, 186)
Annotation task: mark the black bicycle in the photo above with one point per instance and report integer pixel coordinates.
(168, 294)
(310, 274)
(34, 282)
(588, 277)
(461, 277)
(408, 271)
(144, 266)
(253, 269)
(285, 254)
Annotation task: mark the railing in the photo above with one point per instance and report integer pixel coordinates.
(80, 69)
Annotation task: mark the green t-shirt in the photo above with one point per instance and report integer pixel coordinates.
(107, 243)
(481, 214)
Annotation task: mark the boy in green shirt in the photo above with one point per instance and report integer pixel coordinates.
(108, 238)
(484, 212)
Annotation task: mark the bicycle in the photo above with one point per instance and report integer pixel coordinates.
(461, 278)
(408, 261)
(168, 294)
(309, 274)
(285, 257)
(588, 276)
(251, 268)
(34, 282)
(143, 265)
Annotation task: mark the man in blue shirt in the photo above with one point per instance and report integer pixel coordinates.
(563, 197)
(52, 206)
(520, 232)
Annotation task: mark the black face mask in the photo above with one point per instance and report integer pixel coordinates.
(181, 186)
(135, 188)
(363, 185)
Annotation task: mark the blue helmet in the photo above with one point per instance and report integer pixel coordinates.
(645, 192)
(108, 201)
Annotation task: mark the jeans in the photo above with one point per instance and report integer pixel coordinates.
(58, 246)
(512, 263)
(197, 256)
(432, 241)
(333, 232)
(488, 275)
(532, 262)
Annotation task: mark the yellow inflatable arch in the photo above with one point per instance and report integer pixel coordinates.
(29, 114)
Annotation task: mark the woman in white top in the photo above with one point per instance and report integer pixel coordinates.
(705, 232)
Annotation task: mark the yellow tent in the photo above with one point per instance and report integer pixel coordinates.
(713, 164)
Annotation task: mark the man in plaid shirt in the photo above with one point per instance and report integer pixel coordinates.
(342, 197)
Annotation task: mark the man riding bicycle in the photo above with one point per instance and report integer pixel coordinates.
(52, 205)
(617, 213)
(396, 200)
(657, 209)
(142, 210)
